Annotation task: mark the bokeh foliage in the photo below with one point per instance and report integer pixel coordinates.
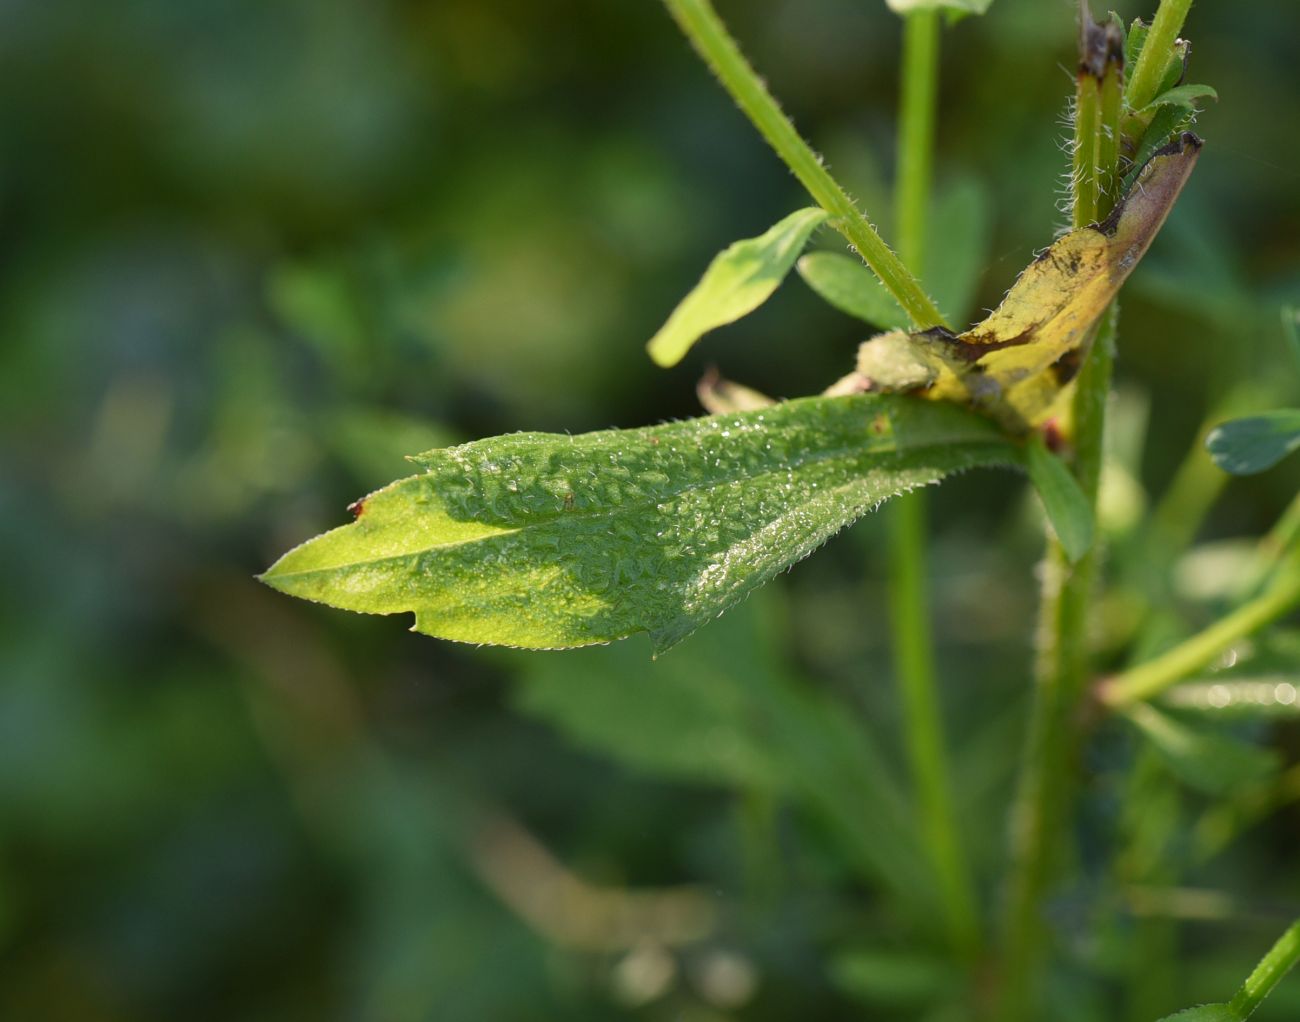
(254, 254)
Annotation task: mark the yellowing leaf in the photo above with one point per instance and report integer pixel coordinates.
(740, 279)
(1015, 363)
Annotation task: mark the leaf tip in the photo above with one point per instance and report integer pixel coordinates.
(662, 353)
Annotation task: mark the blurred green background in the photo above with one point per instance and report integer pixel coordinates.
(252, 253)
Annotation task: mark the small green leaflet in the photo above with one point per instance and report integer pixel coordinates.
(740, 279)
(1183, 95)
(548, 541)
(846, 283)
(1134, 40)
(1168, 121)
(956, 251)
(1245, 446)
(1063, 499)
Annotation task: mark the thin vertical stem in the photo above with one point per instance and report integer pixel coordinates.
(917, 110)
(908, 597)
(709, 35)
(1045, 792)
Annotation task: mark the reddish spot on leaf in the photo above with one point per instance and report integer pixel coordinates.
(358, 507)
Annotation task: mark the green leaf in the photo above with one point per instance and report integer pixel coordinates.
(1184, 96)
(1243, 447)
(958, 235)
(1134, 40)
(1205, 1013)
(695, 722)
(1176, 68)
(1175, 61)
(846, 283)
(740, 279)
(1202, 759)
(1063, 499)
(1291, 329)
(730, 712)
(896, 978)
(544, 541)
(1168, 122)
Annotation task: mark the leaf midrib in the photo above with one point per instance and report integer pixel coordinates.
(812, 458)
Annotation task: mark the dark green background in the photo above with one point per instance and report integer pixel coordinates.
(253, 252)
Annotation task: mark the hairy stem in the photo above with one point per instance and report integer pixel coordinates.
(709, 36)
(1154, 58)
(908, 596)
(1155, 676)
(1045, 791)
(1087, 139)
(1111, 114)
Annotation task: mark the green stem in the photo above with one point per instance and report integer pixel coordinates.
(1111, 100)
(1155, 676)
(1045, 791)
(709, 36)
(1268, 973)
(1087, 123)
(1061, 678)
(1154, 58)
(917, 107)
(909, 600)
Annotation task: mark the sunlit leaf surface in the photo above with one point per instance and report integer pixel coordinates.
(740, 279)
(542, 540)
